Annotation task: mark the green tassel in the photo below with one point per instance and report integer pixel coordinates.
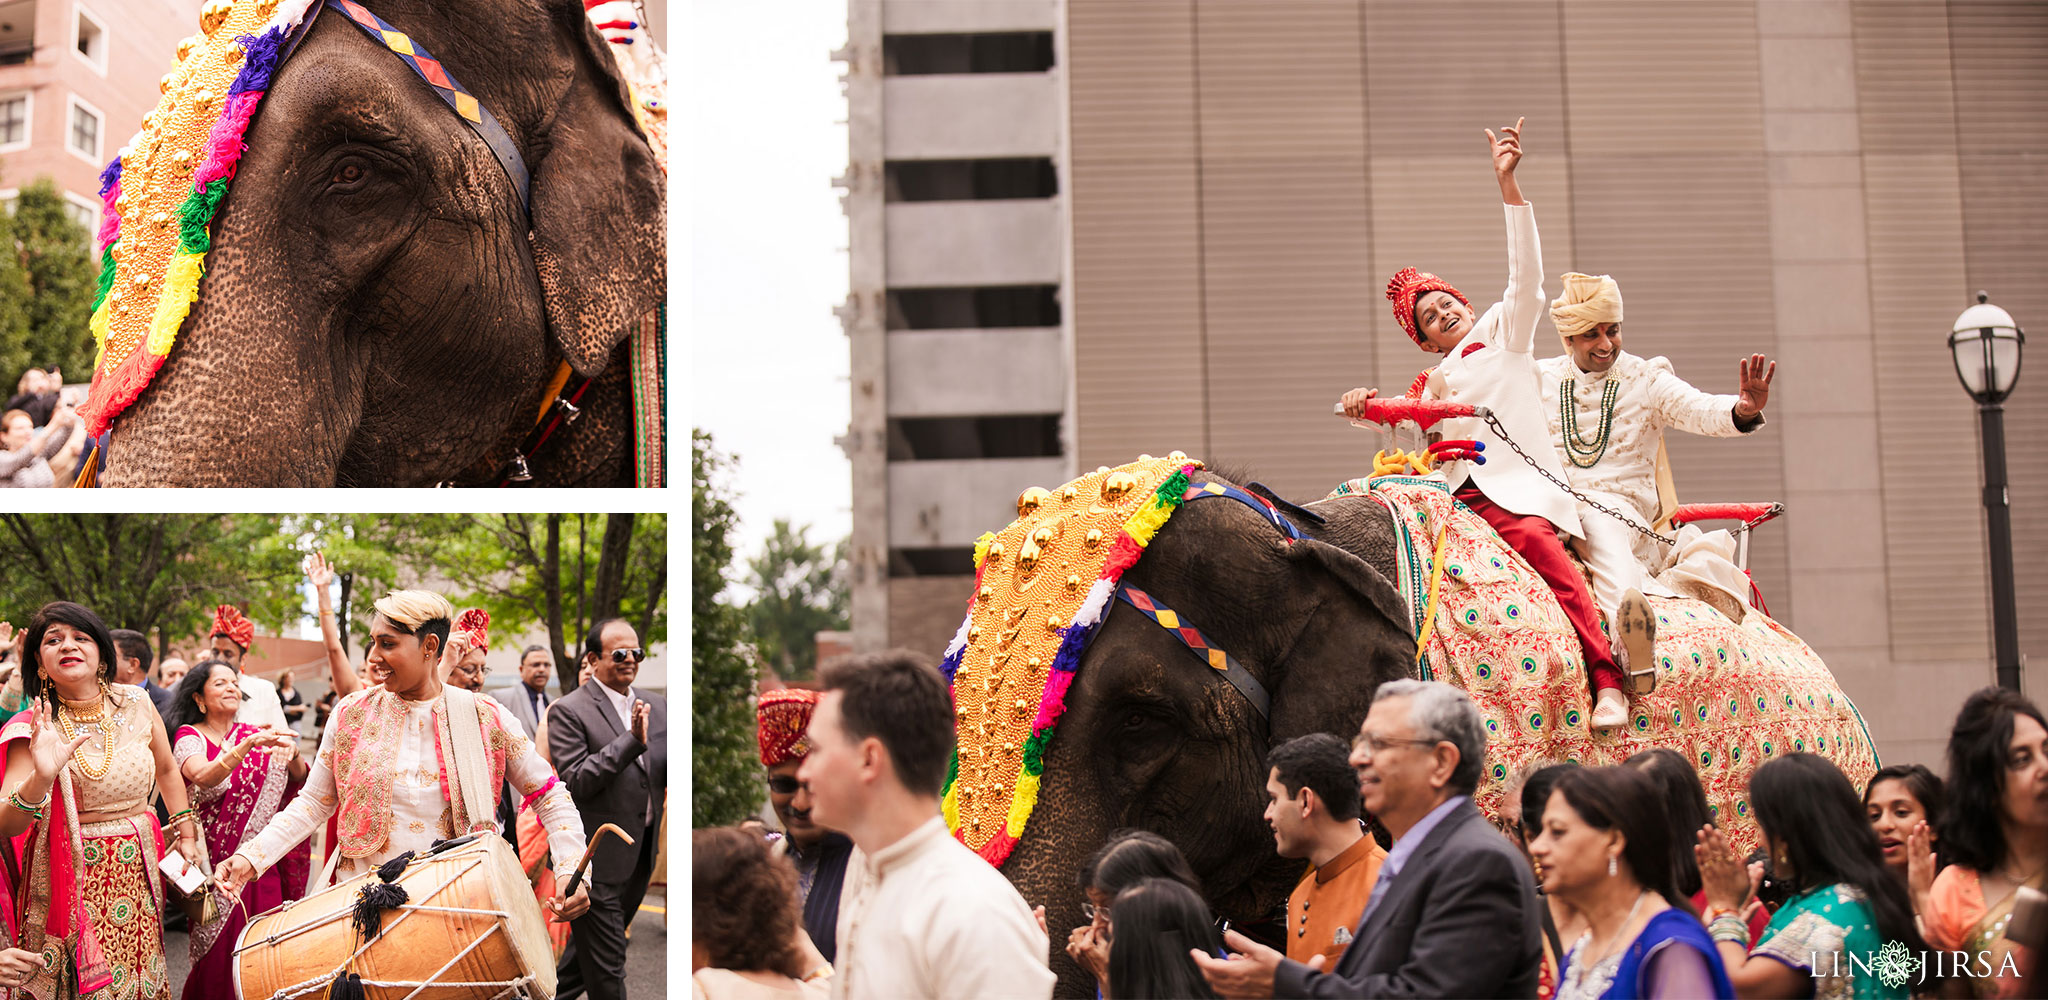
(106, 276)
(1170, 491)
(1034, 752)
(952, 773)
(194, 215)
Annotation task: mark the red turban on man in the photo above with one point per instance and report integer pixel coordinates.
(1402, 289)
(228, 621)
(781, 719)
(476, 623)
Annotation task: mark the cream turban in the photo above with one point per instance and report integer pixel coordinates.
(1588, 300)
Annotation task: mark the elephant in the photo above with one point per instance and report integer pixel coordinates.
(1150, 740)
(378, 309)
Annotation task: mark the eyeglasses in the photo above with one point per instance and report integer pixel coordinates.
(1091, 911)
(1374, 744)
(783, 784)
(622, 655)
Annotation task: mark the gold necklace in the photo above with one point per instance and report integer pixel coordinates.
(65, 723)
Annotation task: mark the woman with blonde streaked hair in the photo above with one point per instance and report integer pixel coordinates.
(390, 781)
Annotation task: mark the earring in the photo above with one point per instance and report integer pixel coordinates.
(1612, 868)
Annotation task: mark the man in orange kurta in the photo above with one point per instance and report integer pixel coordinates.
(1313, 809)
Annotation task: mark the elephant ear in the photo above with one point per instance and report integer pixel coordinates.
(1351, 641)
(598, 209)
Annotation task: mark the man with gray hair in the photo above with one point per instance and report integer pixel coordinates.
(1454, 913)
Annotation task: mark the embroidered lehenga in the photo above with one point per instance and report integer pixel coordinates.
(237, 807)
(89, 897)
(382, 772)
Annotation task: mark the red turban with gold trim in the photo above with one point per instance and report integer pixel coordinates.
(228, 621)
(1404, 286)
(476, 623)
(781, 720)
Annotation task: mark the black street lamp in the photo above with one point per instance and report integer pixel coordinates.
(1986, 345)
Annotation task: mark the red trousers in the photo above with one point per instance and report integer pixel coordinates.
(1535, 539)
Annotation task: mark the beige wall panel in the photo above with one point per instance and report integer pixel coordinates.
(2001, 93)
(1287, 275)
(1438, 74)
(1662, 77)
(1933, 524)
(1903, 81)
(925, 611)
(1135, 300)
(1698, 284)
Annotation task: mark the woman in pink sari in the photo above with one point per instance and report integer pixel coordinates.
(240, 776)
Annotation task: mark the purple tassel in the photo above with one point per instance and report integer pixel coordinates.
(951, 665)
(259, 60)
(110, 177)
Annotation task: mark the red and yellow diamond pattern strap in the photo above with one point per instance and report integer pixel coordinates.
(1199, 644)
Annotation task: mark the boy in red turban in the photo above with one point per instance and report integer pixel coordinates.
(1489, 360)
(232, 635)
(820, 854)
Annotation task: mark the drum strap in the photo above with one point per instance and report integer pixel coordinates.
(464, 735)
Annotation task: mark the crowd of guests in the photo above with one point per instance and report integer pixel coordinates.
(108, 768)
(1604, 882)
(40, 434)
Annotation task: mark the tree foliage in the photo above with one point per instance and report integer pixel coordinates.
(56, 260)
(724, 768)
(800, 590)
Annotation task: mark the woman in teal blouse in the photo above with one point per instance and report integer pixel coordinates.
(1847, 930)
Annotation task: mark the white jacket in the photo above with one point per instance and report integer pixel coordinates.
(1500, 374)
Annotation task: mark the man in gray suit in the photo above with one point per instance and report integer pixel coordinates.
(1455, 911)
(528, 698)
(610, 746)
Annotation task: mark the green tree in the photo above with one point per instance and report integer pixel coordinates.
(62, 277)
(16, 296)
(149, 571)
(724, 769)
(800, 590)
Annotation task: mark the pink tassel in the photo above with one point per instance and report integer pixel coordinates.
(224, 144)
(110, 221)
(1054, 701)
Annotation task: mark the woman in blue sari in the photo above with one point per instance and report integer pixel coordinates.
(1605, 851)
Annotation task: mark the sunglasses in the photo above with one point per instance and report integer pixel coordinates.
(622, 655)
(783, 784)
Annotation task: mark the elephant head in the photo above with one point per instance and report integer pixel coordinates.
(1153, 738)
(378, 308)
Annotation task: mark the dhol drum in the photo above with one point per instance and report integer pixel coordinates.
(470, 929)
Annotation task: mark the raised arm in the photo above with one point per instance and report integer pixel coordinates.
(1523, 305)
(320, 574)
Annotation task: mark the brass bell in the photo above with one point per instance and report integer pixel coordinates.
(142, 281)
(1027, 560)
(213, 15)
(1094, 538)
(1033, 664)
(1144, 458)
(266, 8)
(995, 551)
(1053, 623)
(1118, 485)
(1100, 469)
(1022, 707)
(1068, 492)
(186, 46)
(1032, 499)
(961, 712)
(1044, 535)
(1073, 583)
(149, 121)
(114, 298)
(121, 204)
(163, 86)
(973, 634)
(181, 161)
(202, 98)
(1176, 456)
(986, 592)
(160, 219)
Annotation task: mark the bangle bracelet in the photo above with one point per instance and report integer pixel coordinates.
(37, 804)
(1731, 929)
(33, 812)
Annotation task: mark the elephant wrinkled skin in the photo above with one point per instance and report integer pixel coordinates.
(375, 311)
(1152, 738)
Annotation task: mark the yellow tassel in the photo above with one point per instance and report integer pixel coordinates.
(98, 325)
(1436, 580)
(181, 288)
(1147, 522)
(1021, 802)
(981, 547)
(950, 807)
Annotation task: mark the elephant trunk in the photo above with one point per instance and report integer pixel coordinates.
(1067, 826)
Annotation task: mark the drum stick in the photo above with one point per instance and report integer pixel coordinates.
(577, 879)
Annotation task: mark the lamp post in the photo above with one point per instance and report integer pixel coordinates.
(1986, 344)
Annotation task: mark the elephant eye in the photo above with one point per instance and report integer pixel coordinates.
(1135, 720)
(348, 174)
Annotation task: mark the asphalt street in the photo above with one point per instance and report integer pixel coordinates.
(646, 955)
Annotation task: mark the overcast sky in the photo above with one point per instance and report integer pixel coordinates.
(768, 261)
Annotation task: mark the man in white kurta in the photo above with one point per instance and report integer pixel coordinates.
(922, 915)
(420, 810)
(1608, 410)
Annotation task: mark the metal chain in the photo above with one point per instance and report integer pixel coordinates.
(1493, 423)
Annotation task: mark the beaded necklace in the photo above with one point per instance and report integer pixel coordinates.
(1584, 453)
(98, 721)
